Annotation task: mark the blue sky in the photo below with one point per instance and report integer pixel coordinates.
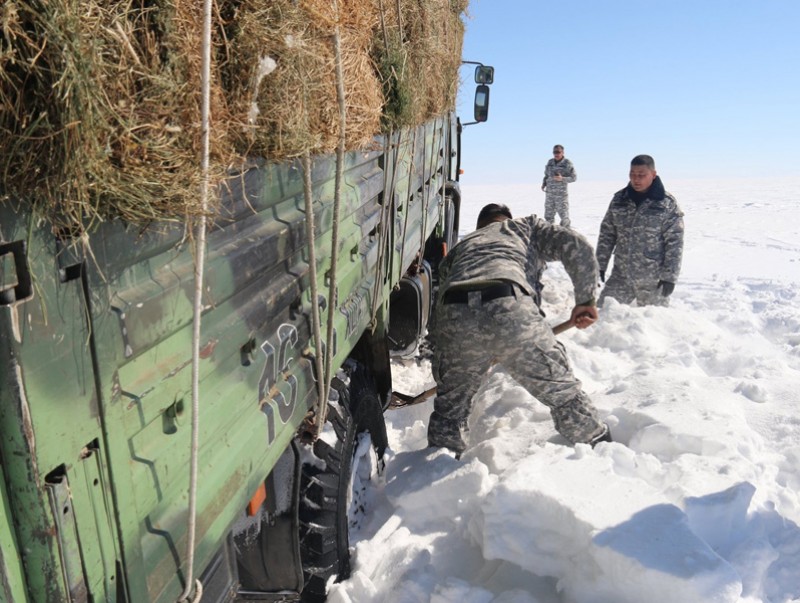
(709, 88)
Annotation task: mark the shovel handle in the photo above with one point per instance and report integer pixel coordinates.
(567, 324)
(560, 328)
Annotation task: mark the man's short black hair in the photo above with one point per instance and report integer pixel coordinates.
(644, 160)
(491, 211)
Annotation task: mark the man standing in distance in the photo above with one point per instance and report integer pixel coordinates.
(643, 228)
(486, 314)
(558, 172)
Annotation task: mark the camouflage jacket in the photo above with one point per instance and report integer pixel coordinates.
(514, 250)
(646, 239)
(567, 171)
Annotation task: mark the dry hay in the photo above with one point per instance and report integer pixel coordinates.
(418, 53)
(100, 100)
(99, 109)
(291, 107)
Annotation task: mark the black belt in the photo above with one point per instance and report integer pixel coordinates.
(461, 296)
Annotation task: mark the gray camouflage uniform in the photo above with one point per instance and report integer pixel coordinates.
(470, 337)
(556, 200)
(646, 239)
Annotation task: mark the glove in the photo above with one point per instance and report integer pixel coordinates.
(666, 288)
(602, 276)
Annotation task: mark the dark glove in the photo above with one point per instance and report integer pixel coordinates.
(602, 276)
(666, 288)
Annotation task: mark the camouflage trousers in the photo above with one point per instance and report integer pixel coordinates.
(626, 291)
(557, 204)
(471, 337)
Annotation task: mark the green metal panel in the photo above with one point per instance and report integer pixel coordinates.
(69, 547)
(49, 408)
(93, 509)
(12, 580)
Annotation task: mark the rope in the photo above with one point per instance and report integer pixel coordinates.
(205, 83)
(386, 218)
(386, 208)
(312, 260)
(376, 287)
(399, 19)
(337, 197)
(401, 268)
(426, 189)
(424, 225)
(383, 27)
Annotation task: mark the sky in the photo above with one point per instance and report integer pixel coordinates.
(697, 500)
(709, 88)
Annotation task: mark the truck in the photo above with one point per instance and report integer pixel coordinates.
(106, 406)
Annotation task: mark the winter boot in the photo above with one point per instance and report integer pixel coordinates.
(603, 437)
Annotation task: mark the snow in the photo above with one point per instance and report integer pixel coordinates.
(698, 497)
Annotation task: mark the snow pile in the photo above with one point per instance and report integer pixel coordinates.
(698, 497)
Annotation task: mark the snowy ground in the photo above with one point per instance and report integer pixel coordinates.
(698, 498)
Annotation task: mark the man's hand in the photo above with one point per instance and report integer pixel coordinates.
(583, 316)
(666, 288)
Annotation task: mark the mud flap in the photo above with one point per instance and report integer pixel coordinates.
(409, 310)
(267, 551)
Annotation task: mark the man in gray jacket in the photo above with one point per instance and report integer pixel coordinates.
(558, 172)
(486, 314)
(643, 228)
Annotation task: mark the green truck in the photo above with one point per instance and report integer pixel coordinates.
(97, 430)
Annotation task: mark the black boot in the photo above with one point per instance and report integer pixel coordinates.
(603, 437)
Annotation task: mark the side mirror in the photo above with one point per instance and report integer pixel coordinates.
(484, 74)
(482, 103)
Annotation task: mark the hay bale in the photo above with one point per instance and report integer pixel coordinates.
(100, 101)
(281, 80)
(418, 53)
(100, 109)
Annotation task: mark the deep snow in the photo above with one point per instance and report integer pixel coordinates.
(698, 498)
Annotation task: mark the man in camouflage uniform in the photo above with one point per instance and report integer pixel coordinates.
(558, 172)
(486, 314)
(643, 227)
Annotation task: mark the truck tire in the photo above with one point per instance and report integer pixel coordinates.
(332, 492)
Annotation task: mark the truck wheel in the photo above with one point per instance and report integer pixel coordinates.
(333, 490)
